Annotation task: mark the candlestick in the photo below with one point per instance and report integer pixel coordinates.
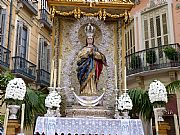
(59, 72)
(6, 120)
(52, 72)
(55, 78)
(22, 117)
(115, 75)
(125, 81)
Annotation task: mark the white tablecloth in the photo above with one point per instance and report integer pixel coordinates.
(59, 125)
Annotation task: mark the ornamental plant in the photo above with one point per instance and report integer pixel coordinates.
(171, 53)
(125, 102)
(151, 56)
(135, 61)
(157, 93)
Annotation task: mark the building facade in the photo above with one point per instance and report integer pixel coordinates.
(25, 39)
(149, 37)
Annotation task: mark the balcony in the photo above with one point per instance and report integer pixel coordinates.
(44, 19)
(43, 77)
(24, 68)
(4, 57)
(157, 58)
(31, 5)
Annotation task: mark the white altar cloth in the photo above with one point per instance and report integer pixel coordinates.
(86, 126)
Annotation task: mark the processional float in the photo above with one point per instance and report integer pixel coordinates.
(90, 110)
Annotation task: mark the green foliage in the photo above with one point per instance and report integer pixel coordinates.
(2, 119)
(4, 79)
(151, 56)
(173, 87)
(171, 53)
(34, 100)
(35, 105)
(141, 103)
(135, 62)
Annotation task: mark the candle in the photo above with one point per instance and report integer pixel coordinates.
(6, 120)
(52, 71)
(125, 82)
(46, 6)
(55, 78)
(115, 75)
(176, 124)
(59, 75)
(156, 121)
(22, 117)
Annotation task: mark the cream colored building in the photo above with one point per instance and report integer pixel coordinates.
(25, 39)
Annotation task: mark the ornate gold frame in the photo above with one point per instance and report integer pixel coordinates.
(102, 5)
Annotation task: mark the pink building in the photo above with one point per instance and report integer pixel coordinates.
(152, 49)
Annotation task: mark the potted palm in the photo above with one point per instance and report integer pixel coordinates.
(135, 62)
(151, 58)
(171, 54)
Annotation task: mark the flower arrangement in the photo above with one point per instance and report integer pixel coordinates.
(53, 99)
(157, 92)
(125, 102)
(16, 89)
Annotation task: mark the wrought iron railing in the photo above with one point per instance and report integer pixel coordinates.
(43, 77)
(164, 56)
(31, 5)
(44, 18)
(24, 67)
(4, 56)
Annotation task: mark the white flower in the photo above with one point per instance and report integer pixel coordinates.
(125, 102)
(157, 92)
(16, 89)
(53, 99)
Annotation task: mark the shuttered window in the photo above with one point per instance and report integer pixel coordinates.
(130, 39)
(44, 55)
(155, 28)
(21, 40)
(2, 26)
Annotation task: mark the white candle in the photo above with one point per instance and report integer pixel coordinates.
(115, 75)
(46, 6)
(22, 117)
(6, 120)
(176, 124)
(125, 82)
(55, 78)
(52, 72)
(59, 72)
(156, 121)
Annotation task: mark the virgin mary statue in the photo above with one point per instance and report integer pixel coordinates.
(90, 64)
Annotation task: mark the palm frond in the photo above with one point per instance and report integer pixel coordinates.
(141, 103)
(173, 87)
(34, 101)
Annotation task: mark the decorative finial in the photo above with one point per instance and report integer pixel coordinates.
(89, 30)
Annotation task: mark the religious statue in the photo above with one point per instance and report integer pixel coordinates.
(90, 64)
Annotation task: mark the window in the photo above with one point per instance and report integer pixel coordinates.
(2, 26)
(130, 40)
(155, 28)
(44, 4)
(21, 40)
(44, 55)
